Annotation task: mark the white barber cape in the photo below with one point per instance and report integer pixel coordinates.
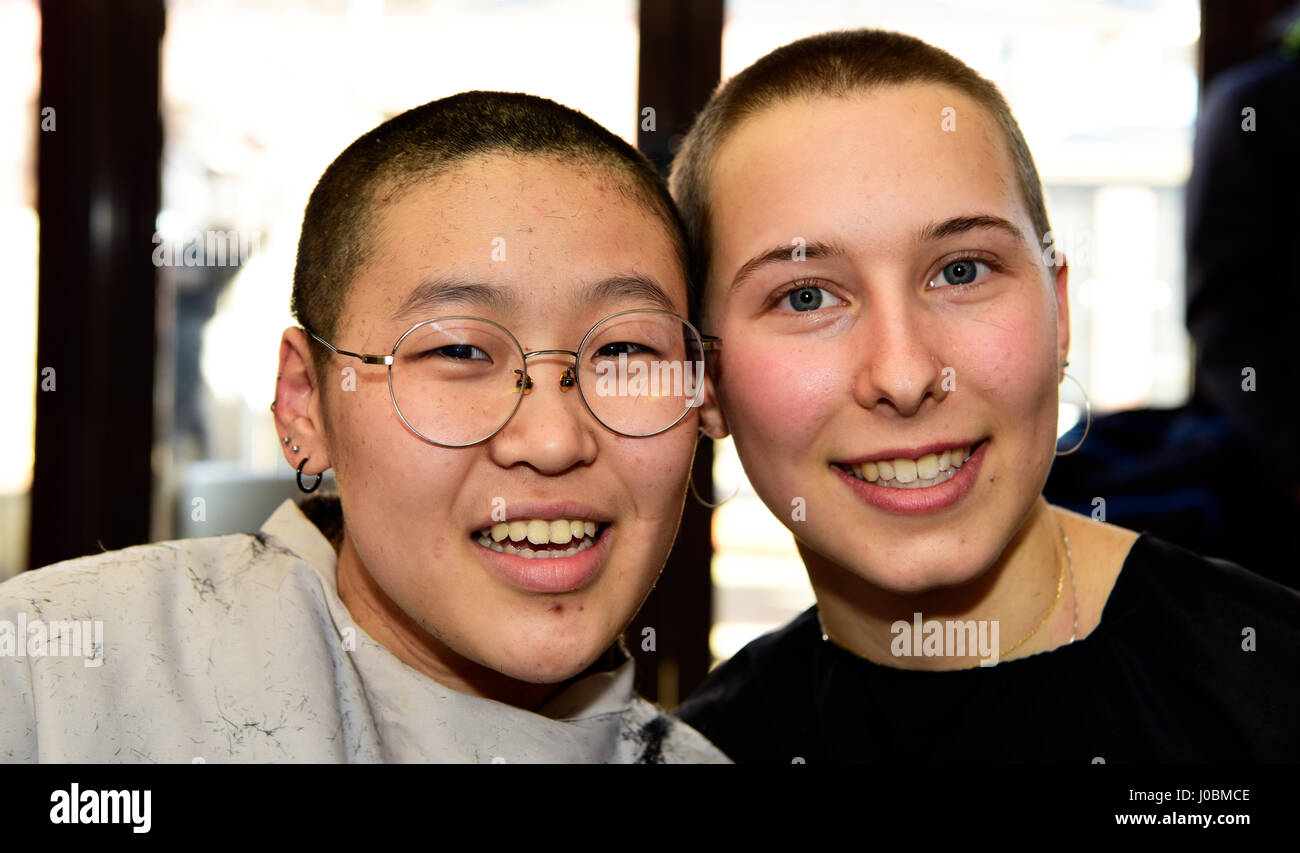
(238, 649)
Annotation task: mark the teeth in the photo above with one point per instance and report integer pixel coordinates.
(529, 553)
(538, 531)
(931, 469)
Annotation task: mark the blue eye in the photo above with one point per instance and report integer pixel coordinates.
(962, 271)
(806, 298)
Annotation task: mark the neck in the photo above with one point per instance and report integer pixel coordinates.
(390, 626)
(1007, 602)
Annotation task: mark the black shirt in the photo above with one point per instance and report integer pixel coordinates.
(1164, 677)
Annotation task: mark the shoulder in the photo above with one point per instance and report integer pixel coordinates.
(150, 653)
(755, 697)
(1208, 587)
(652, 736)
(1126, 568)
(1228, 627)
(1211, 646)
(146, 580)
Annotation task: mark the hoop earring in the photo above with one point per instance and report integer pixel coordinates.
(706, 503)
(695, 493)
(315, 485)
(1087, 409)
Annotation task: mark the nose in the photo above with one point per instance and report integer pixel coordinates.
(551, 430)
(898, 365)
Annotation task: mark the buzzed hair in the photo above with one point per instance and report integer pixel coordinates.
(836, 65)
(419, 145)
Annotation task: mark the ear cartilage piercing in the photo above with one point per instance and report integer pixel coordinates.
(273, 405)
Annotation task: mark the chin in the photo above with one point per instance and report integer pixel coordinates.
(552, 654)
(915, 571)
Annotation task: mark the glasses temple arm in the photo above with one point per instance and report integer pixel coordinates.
(366, 359)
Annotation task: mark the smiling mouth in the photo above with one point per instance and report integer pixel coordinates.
(541, 538)
(921, 473)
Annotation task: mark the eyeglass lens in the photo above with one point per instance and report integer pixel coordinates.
(457, 381)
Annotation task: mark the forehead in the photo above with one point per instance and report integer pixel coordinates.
(881, 163)
(533, 224)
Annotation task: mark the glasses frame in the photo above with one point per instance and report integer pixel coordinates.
(708, 344)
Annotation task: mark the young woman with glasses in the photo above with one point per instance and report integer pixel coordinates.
(494, 361)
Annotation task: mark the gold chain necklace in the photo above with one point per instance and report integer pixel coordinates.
(827, 637)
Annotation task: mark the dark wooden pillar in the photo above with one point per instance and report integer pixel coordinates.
(680, 63)
(98, 159)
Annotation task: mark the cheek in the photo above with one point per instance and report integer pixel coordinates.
(386, 474)
(1008, 358)
(780, 395)
(655, 470)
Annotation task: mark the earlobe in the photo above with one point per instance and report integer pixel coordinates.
(296, 409)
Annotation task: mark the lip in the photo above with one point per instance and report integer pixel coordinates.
(550, 575)
(919, 501)
(909, 452)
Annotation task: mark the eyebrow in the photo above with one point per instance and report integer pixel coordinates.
(626, 287)
(961, 224)
(812, 251)
(435, 294)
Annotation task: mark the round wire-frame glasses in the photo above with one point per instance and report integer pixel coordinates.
(523, 381)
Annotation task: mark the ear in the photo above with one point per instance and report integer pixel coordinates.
(712, 419)
(1062, 315)
(298, 410)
